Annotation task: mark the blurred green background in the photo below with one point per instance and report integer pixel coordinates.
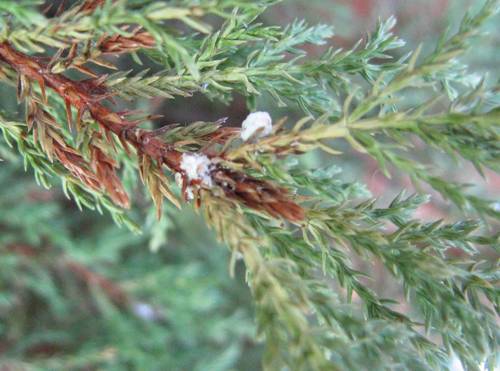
(77, 292)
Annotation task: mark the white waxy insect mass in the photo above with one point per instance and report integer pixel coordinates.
(259, 124)
(197, 167)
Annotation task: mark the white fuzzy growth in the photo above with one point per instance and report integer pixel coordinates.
(189, 193)
(197, 167)
(256, 123)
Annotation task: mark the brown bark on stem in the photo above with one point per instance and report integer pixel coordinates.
(88, 95)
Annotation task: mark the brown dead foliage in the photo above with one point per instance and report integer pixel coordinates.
(87, 96)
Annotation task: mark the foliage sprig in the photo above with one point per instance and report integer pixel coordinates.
(294, 229)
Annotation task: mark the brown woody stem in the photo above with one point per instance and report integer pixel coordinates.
(87, 96)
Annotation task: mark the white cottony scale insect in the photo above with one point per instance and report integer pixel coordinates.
(257, 124)
(197, 167)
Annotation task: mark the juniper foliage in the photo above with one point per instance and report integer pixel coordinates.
(78, 293)
(295, 229)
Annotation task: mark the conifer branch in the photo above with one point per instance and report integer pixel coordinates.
(294, 229)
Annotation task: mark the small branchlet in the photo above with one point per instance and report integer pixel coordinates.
(290, 226)
(118, 44)
(87, 96)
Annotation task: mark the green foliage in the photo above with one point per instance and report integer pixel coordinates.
(297, 230)
(154, 314)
